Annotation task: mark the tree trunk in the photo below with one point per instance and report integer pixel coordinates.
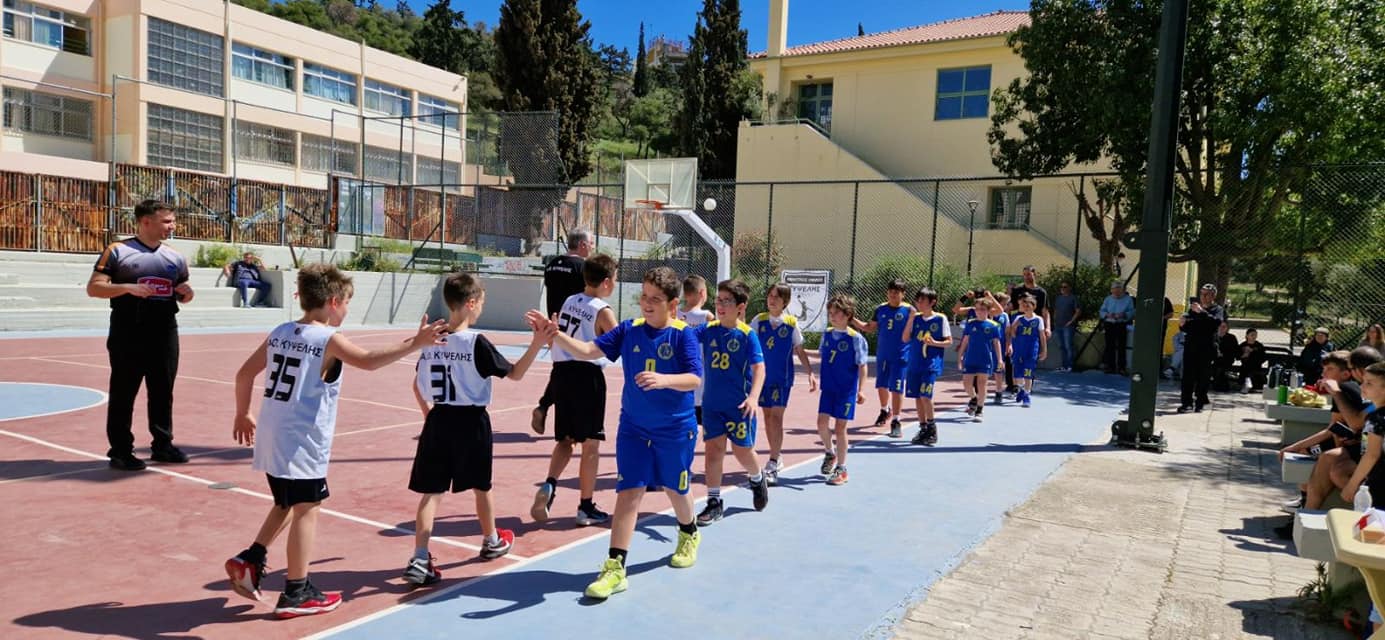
(1216, 270)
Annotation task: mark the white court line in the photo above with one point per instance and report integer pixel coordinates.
(183, 476)
(440, 593)
(104, 398)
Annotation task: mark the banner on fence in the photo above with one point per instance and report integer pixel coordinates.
(810, 291)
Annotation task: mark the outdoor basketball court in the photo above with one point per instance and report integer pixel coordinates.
(98, 552)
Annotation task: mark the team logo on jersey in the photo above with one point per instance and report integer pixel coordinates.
(843, 346)
(637, 349)
(784, 331)
(714, 343)
(162, 286)
(733, 345)
(298, 331)
(666, 351)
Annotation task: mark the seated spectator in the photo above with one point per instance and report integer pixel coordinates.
(1339, 449)
(244, 274)
(1175, 369)
(1374, 338)
(1227, 349)
(1253, 359)
(1310, 359)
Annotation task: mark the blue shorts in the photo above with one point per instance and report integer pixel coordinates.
(838, 404)
(731, 423)
(889, 374)
(658, 460)
(775, 396)
(984, 368)
(1025, 365)
(921, 380)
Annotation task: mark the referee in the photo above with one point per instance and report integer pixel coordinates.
(562, 278)
(144, 280)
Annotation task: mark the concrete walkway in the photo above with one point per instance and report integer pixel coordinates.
(1123, 544)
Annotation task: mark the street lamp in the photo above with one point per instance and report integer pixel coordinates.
(971, 233)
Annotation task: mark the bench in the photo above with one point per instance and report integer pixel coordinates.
(1298, 422)
(443, 257)
(1313, 541)
(1296, 468)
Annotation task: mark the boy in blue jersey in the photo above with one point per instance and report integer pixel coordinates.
(780, 338)
(735, 374)
(929, 334)
(1002, 373)
(1027, 347)
(980, 354)
(657, 435)
(888, 323)
(843, 354)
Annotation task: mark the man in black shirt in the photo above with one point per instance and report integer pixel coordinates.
(1199, 325)
(562, 278)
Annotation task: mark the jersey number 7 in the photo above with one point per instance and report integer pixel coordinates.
(568, 324)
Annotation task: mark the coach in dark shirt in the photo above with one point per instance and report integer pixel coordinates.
(562, 278)
(1199, 326)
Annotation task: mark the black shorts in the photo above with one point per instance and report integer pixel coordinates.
(454, 451)
(578, 391)
(697, 412)
(288, 491)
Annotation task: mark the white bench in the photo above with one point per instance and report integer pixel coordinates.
(1296, 468)
(1313, 541)
(1298, 422)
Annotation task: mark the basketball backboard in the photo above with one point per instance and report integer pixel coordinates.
(672, 181)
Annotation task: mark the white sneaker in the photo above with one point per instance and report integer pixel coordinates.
(771, 472)
(1291, 507)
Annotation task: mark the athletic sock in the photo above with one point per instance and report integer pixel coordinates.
(587, 505)
(255, 553)
(493, 539)
(292, 587)
(758, 477)
(421, 554)
(714, 493)
(553, 482)
(618, 554)
(689, 528)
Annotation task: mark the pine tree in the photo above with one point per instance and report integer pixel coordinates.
(716, 96)
(441, 41)
(641, 82)
(860, 29)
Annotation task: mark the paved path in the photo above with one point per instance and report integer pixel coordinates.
(1123, 544)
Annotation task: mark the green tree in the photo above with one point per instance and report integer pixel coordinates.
(441, 41)
(716, 94)
(1266, 85)
(641, 81)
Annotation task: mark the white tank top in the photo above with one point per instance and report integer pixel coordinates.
(578, 319)
(299, 412)
(447, 373)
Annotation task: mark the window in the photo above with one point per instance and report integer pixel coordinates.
(265, 143)
(330, 84)
(963, 93)
(387, 164)
(264, 67)
(386, 98)
(185, 58)
(186, 139)
(317, 154)
(815, 103)
(429, 168)
(49, 27)
(48, 114)
(428, 105)
(1009, 208)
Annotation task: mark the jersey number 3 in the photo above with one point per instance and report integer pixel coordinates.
(284, 375)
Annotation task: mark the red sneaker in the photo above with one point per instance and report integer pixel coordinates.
(309, 601)
(499, 548)
(839, 477)
(245, 577)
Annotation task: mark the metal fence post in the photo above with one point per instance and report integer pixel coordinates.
(769, 237)
(855, 207)
(283, 215)
(1077, 237)
(38, 212)
(933, 237)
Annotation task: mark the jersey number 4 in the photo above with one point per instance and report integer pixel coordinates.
(284, 375)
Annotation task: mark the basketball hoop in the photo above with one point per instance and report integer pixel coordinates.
(655, 205)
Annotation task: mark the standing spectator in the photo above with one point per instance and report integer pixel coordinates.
(1310, 359)
(1227, 348)
(145, 280)
(562, 279)
(1374, 338)
(1116, 313)
(244, 274)
(1253, 359)
(1199, 324)
(1066, 313)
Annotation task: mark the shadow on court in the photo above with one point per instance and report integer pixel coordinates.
(525, 589)
(164, 620)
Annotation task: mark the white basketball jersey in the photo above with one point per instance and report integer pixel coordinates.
(696, 318)
(447, 372)
(578, 319)
(299, 413)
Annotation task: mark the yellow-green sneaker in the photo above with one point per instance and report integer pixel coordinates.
(611, 580)
(685, 555)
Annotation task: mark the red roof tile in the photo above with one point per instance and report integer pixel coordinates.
(990, 24)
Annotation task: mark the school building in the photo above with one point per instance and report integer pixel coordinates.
(908, 103)
(214, 87)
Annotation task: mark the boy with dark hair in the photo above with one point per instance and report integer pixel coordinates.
(455, 449)
(780, 338)
(735, 368)
(658, 431)
(579, 393)
(293, 437)
(929, 333)
(889, 322)
(843, 353)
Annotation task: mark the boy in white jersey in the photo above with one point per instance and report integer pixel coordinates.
(455, 448)
(579, 393)
(691, 312)
(297, 419)
(780, 338)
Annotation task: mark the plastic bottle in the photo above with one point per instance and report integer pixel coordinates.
(1282, 394)
(1362, 501)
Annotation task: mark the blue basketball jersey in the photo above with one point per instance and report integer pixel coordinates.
(728, 355)
(778, 344)
(890, 323)
(1003, 319)
(979, 334)
(639, 347)
(843, 352)
(1028, 333)
(935, 325)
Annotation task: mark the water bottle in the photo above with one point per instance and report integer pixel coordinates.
(1282, 394)
(1362, 502)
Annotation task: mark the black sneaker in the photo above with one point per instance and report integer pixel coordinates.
(169, 454)
(999, 397)
(1198, 408)
(127, 462)
(308, 601)
(829, 462)
(711, 513)
(880, 419)
(588, 517)
(1183, 408)
(422, 573)
(895, 429)
(930, 437)
(760, 492)
(971, 406)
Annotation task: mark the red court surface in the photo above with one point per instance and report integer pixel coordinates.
(91, 551)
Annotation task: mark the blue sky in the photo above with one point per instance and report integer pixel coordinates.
(617, 21)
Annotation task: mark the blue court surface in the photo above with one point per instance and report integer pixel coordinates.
(27, 399)
(820, 562)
